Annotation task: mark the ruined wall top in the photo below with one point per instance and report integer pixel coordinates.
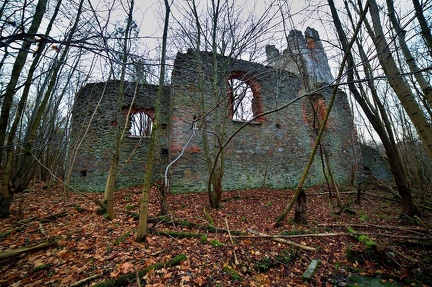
(304, 56)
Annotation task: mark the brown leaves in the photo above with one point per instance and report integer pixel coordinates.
(86, 241)
(124, 268)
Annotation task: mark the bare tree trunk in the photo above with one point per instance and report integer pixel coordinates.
(23, 176)
(398, 84)
(410, 60)
(424, 25)
(300, 214)
(299, 190)
(143, 211)
(17, 68)
(378, 118)
(6, 195)
(112, 173)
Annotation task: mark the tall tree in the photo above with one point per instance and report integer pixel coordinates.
(220, 30)
(299, 192)
(424, 26)
(18, 66)
(409, 58)
(398, 84)
(20, 60)
(143, 211)
(377, 116)
(7, 169)
(24, 174)
(112, 173)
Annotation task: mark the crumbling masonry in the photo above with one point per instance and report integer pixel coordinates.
(270, 151)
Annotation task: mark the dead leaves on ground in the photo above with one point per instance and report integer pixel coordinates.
(88, 245)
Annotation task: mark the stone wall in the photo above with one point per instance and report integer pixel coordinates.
(271, 151)
(94, 122)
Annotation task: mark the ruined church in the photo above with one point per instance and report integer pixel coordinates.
(270, 151)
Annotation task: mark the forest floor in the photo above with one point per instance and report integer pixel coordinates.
(185, 248)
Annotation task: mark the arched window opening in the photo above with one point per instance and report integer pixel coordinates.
(245, 100)
(140, 124)
(241, 100)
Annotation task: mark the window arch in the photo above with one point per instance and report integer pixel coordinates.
(140, 122)
(244, 98)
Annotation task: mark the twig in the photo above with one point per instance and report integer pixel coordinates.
(21, 250)
(422, 223)
(138, 279)
(278, 239)
(6, 233)
(331, 234)
(409, 229)
(232, 242)
(85, 280)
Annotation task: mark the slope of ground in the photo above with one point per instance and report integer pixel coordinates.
(88, 249)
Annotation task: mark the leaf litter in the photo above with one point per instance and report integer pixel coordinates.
(90, 249)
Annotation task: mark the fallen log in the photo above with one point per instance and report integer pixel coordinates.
(48, 218)
(279, 239)
(6, 233)
(52, 217)
(126, 279)
(21, 250)
(185, 223)
(333, 234)
(85, 280)
(178, 234)
(409, 229)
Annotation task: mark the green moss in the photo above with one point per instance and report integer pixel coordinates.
(363, 217)
(42, 267)
(216, 243)
(369, 243)
(204, 238)
(266, 263)
(233, 274)
(122, 238)
(263, 265)
(78, 208)
(360, 280)
(307, 275)
(126, 279)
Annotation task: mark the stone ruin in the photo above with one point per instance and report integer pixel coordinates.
(270, 151)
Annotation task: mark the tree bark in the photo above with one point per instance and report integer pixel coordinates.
(6, 195)
(21, 250)
(398, 84)
(382, 127)
(143, 211)
(299, 190)
(17, 68)
(410, 60)
(23, 177)
(300, 214)
(424, 26)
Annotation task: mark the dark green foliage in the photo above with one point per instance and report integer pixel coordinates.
(233, 274)
(266, 263)
(78, 208)
(360, 280)
(122, 238)
(178, 234)
(216, 243)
